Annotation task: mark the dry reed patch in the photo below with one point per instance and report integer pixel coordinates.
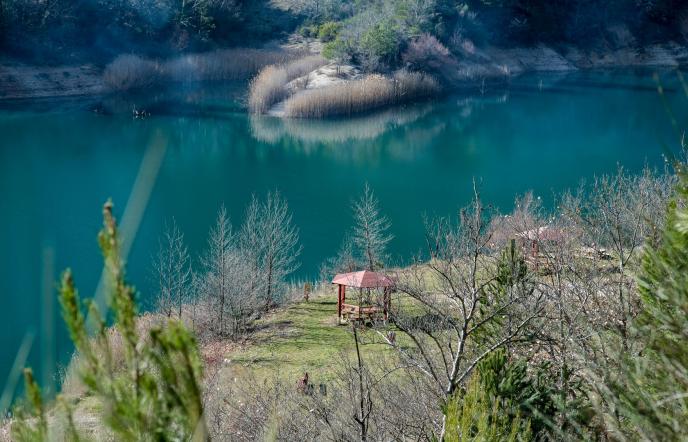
(267, 89)
(371, 92)
(225, 64)
(128, 72)
(270, 86)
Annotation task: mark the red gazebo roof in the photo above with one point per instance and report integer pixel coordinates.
(363, 279)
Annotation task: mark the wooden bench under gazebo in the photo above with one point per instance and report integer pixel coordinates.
(364, 279)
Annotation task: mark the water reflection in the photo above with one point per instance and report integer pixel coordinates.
(366, 127)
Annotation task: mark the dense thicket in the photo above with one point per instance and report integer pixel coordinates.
(374, 33)
(98, 30)
(379, 33)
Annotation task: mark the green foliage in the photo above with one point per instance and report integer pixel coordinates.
(156, 395)
(525, 395)
(480, 413)
(328, 31)
(380, 42)
(338, 50)
(308, 31)
(31, 424)
(651, 393)
(512, 279)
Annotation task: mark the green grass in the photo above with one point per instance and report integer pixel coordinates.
(302, 337)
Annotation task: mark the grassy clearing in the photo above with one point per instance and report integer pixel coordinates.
(357, 96)
(302, 337)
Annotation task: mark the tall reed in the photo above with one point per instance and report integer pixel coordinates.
(129, 72)
(371, 92)
(270, 86)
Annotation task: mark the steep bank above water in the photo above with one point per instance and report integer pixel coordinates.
(476, 65)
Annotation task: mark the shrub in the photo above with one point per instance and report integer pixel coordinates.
(156, 394)
(129, 72)
(328, 31)
(478, 415)
(308, 31)
(269, 87)
(379, 45)
(426, 53)
(337, 50)
(371, 92)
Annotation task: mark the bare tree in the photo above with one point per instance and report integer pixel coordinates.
(370, 229)
(250, 244)
(216, 277)
(468, 302)
(172, 270)
(281, 248)
(269, 240)
(241, 303)
(344, 261)
(620, 212)
(361, 390)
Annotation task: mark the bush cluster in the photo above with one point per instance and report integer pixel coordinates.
(376, 34)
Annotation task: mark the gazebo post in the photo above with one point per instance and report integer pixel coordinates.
(360, 301)
(339, 302)
(385, 301)
(341, 297)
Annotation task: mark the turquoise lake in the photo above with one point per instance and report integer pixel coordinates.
(60, 160)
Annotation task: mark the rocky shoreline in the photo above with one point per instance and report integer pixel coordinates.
(18, 81)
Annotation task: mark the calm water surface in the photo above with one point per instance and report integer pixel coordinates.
(59, 162)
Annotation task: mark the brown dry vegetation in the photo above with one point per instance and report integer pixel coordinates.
(128, 72)
(226, 64)
(371, 92)
(267, 89)
(270, 86)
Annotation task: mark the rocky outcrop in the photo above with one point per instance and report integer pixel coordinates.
(670, 54)
(538, 59)
(498, 63)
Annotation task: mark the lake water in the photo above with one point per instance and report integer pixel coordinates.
(59, 161)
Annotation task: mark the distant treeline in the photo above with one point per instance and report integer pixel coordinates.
(374, 33)
(47, 31)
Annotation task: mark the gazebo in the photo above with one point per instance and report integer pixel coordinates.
(364, 279)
